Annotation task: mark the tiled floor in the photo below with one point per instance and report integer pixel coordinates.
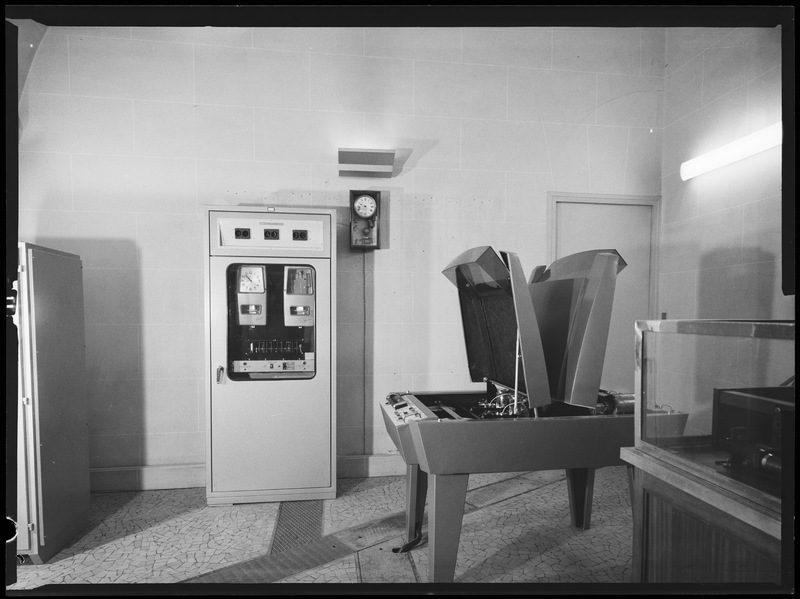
(516, 528)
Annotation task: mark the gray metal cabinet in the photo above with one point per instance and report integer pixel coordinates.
(53, 444)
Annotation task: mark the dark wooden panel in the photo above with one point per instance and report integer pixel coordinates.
(684, 542)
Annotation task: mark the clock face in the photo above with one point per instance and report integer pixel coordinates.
(365, 206)
(251, 279)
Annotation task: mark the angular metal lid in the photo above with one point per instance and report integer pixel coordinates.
(487, 315)
(564, 314)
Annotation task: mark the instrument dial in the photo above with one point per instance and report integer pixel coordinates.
(251, 279)
(365, 206)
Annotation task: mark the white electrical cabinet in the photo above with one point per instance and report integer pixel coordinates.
(270, 289)
(53, 442)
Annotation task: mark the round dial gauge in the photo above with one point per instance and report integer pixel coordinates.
(251, 279)
(365, 206)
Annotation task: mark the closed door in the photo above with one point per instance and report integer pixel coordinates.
(628, 225)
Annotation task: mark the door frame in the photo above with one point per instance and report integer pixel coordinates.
(654, 202)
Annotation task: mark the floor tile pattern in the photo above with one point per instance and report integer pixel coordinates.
(156, 537)
(342, 570)
(363, 500)
(378, 564)
(366, 535)
(494, 492)
(516, 528)
(276, 566)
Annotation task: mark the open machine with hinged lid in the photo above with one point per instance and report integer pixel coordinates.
(539, 345)
(271, 385)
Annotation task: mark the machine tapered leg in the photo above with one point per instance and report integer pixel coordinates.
(416, 492)
(580, 485)
(448, 493)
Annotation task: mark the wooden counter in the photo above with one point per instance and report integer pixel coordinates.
(688, 530)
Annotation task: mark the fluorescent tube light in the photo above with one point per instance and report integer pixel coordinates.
(749, 145)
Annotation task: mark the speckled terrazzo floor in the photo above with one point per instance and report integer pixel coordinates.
(516, 529)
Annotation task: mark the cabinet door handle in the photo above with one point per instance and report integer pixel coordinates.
(220, 370)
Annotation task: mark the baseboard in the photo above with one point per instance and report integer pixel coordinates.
(147, 478)
(364, 466)
(151, 478)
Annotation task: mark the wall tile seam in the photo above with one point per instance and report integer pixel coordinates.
(158, 324)
(196, 433)
(737, 264)
(668, 174)
(586, 72)
(252, 46)
(52, 153)
(580, 123)
(741, 262)
(670, 71)
(770, 197)
(140, 467)
(627, 156)
(102, 212)
(364, 54)
(641, 51)
(148, 41)
(195, 379)
(143, 431)
(64, 30)
(365, 114)
(722, 43)
(705, 215)
(147, 268)
(468, 169)
(131, 212)
(95, 379)
(705, 105)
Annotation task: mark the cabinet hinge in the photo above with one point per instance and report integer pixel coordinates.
(30, 526)
(26, 401)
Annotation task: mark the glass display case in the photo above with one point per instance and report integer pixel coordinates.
(713, 456)
(728, 387)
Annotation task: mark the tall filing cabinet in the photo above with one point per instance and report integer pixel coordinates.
(53, 452)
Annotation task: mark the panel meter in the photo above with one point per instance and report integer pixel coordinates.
(365, 208)
(252, 295)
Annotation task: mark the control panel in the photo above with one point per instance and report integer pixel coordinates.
(255, 235)
(402, 409)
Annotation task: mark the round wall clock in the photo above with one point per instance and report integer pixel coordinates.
(365, 206)
(365, 216)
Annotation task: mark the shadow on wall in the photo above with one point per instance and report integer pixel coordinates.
(113, 315)
(738, 291)
(29, 36)
(419, 147)
(731, 292)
